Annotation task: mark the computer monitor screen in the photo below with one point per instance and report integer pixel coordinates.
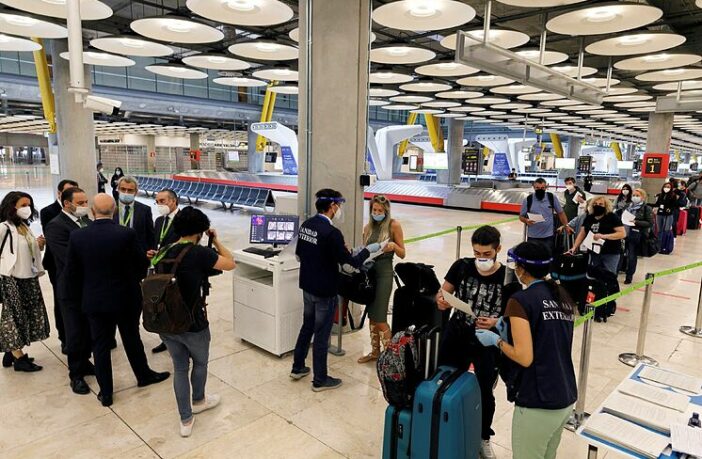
(273, 229)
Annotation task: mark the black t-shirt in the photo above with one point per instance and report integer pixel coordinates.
(192, 272)
(606, 225)
(483, 293)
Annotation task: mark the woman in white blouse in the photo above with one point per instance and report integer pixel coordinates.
(23, 319)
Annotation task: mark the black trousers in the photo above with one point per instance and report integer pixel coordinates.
(78, 342)
(459, 348)
(58, 316)
(102, 329)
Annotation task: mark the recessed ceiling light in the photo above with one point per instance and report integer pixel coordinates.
(9, 43)
(602, 14)
(131, 46)
(26, 26)
(423, 15)
(176, 29)
(242, 12)
(633, 40)
(265, 50)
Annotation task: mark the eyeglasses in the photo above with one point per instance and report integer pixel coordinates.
(380, 198)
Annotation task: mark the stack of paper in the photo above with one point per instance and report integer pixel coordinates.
(628, 218)
(687, 440)
(627, 435)
(591, 244)
(672, 379)
(457, 303)
(662, 397)
(643, 413)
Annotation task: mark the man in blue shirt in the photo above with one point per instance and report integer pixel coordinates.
(321, 249)
(544, 203)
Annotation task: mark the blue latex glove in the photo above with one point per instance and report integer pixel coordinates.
(501, 327)
(487, 338)
(374, 247)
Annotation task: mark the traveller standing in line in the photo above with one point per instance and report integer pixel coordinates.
(197, 264)
(114, 182)
(664, 208)
(321, 249)
(639, 233)
(101, 179)
(24, 319)
(605, 226)
(573, 196)
(545, 204)
(623, 201)
(381, 227)
(536, 338)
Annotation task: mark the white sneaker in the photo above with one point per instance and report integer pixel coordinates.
(186, 430)
(486, 451)
(210, 402)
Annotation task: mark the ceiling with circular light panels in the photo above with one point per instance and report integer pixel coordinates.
(90, 10)
(422, 15)
(176, 71)
(604, 19)
(104, 59)
(216, 62)
(10, 43)
(29, 26)
(131, 45)
(176, 29)
(243, 12)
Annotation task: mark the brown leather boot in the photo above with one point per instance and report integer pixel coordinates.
(375, 346)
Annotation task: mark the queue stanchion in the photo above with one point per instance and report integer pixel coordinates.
(524, 236)
(579, 415)
(695, 330)
(634, 358)
(338, 350)
(459, 235)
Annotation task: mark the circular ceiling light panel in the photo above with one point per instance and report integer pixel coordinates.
(467, 109)
(627, 98)
(572, 70)
(215, 62)
(423, 15)
(510, 106)
(176, 71)
(582, 107)
(401, 54)
(635, 104)
(427, 111)
(638, 43)
(657, 62)
(533, 111)
(131, 46)
(446, 69)
(176, 29)
(540, 96)
(560, 103)
(285, 89)
(493, 113)
(601, 82)
(90, 10)
(642, 109)
(686, 85)
(514, 89)
(242, 12)
(450, 115)
(603, 19)
(459, 94)
(399, 107)
(550, 57)
(277, 74)
(489, 100)
(485, 81)
(382, 92)
(242, 82)
(294, 35)
(377, 102)
(671, 75)
(10, 43)
(499, 37)
(470, 118)
(441, 104)
(426, 86)
(26, 26)
(388, 77)
(104, 59)
(621, 90)
(265, 50)
(411, 99)
(596, 112)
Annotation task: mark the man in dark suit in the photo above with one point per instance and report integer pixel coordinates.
(167, 204)
(104, 268)
(47, 214)
(57, 232)
(133, 214)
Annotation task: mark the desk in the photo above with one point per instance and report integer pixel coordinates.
(267, 301)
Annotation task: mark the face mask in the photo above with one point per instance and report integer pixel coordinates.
(540, 194)
(126, 198)
(625, 192)
(636, 199)
(598, 210)
(681, 187)
(570, 188)
(519, 279)
(101, 170)
(81, 211)
(24, 212)
(378, 217)
(484, 264)
(666, 189)
(338, 216)
(163, 209)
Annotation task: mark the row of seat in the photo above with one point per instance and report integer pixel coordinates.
(229, 196)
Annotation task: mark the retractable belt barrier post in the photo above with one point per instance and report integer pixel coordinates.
(524, 236)
(633, 359)
(579, 415)
(337, 350)
(459, 233)
(695, 331)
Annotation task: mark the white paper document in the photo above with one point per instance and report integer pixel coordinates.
(626, 434)
(457, 303)
(538, 218)
(628, 218)
(590, 241)
(672, 379)
(686, 439)
(642, 412)
(662, 397)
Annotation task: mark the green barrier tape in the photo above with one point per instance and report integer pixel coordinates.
(585, 318)
(669, 272)
(463, 228)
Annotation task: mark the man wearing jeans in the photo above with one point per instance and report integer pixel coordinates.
(321, 249)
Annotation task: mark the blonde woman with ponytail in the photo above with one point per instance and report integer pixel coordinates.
(381, 226)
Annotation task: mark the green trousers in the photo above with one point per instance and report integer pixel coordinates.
(536, 433)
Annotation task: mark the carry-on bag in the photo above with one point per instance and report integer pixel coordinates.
(570, 271)
(414, 300)
(667, 242)
(681, 228)
(693, 217)
(600, 284)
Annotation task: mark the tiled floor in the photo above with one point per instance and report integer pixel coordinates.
(263, 413)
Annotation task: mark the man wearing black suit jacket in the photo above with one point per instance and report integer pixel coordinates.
(104, 268)
(167, 204)
(47, 214)
(133, 214)
(57, 232)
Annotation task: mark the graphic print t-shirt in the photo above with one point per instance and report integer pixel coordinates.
(483, 293)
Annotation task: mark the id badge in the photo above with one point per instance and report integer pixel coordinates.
(597, 248)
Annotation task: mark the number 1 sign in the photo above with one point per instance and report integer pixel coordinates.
(655, 165)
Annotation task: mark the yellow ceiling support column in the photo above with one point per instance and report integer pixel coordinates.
(266, 114)
(557, 145)
(436, 135)
(676, 153)
(411, 119)
(44, 80)
(617, 150)
(486, 152)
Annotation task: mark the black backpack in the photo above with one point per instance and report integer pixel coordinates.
(549, 195)
(164, 310)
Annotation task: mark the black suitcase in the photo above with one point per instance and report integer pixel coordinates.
(693, 218)
(570, 271)
(600, 284)
(414, 301)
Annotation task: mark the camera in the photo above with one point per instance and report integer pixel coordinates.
(102, 105)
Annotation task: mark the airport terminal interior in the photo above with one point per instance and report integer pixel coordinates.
(457, 112)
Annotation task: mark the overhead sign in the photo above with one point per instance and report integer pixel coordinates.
(673, 166)
(655, 165)
(585, 164)
(470, 161)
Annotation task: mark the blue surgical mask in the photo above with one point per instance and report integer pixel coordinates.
(378, 217)
(126, 198)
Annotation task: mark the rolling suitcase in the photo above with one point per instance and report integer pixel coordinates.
(667, 242)
(693, 218)
(570, 271)
(600, 284)
(681, 228)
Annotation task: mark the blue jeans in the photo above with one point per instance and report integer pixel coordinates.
(664, 222)
(182, 348)
(317, 321)
(609, 262)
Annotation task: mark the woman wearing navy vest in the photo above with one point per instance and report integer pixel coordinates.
(536, 336)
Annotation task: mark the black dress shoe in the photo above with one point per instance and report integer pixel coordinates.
(160, 348)
(106, 400)
(153, 378)
(24, 364)
(79, 386)
(8, 359)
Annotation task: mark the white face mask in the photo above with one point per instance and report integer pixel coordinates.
(484, 264)
(338, 216)
(570, 187)
(666, 189)
(24, 212)
(101, 170)
(636, 199)
(163, 209)
(82, 211)
(625, 192)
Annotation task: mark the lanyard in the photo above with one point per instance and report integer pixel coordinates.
(164, 230)
(29, 237)
(125, 221)
(162, 253)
